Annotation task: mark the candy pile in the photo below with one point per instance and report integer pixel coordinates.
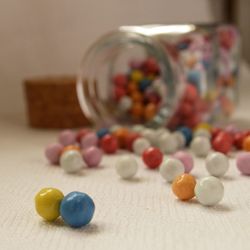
(76, 208)
(159, 149)
(140, 92)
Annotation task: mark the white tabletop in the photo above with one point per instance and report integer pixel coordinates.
(138, 214)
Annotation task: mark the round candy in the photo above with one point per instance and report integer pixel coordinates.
(120, 80)
(67, 137)
(109, 144)
(238, 139)
(53, 152)
(243, 162)
(140, 145)
(171, 168)
(152, 157)
(92, 156)
(71, 161)
(126, 166)
(209, 191)
(200, 146)
(217, 164)
(183, 187)
(167, 143)
(121, 135)
(161, 131)
(89, 140)
(47, 203)
(77, 209)
(246, 143)
(138, 128)
(186, 159)
(125, 103)
(222, 142)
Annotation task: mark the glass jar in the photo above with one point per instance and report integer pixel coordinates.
(161, 75)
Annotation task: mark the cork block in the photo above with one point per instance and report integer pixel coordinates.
(52, 103)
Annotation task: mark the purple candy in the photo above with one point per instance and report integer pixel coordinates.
(243, 162)
(67, 137)
(89, 140)
(53, 152)
(92, 156)
(186, 159)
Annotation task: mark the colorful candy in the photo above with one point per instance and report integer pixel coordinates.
(92, 156)
(71, 161)
(200, 146)
(183, 187)
(171, 168)
(217, 164)
(152, 157)
(67, 137)
(246, 143)
(53, 152)
(109, 144)
(243, 162)
(223, 142)
(89, 140)
(77, 209)
(209, 191)
(47, 203)
(126, 166)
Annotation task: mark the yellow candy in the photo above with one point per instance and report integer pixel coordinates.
(136, 75)
(47, 203)
(204, 125)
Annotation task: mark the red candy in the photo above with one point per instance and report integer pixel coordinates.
(109, 144)
(120, 80)
(119, 92)
(222, 142)
(238, 139)
(152, 157)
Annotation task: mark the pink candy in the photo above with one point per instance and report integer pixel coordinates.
(67, 137)
(243, 162)
(186, 159)
(92, 156)
(89, 140)
(53, 152)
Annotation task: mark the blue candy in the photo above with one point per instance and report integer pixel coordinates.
(77, 209)
(101, 132)
(144, 84)
(187, 132)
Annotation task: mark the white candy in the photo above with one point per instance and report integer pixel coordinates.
(140, 145)
(149, 134)
(71, 161)
(126, 166)
(125, 103)
(201, 146)
(217, 164)
(171, 168)
(138, 128)
(114, 128)
(209, 191)
(160, 131)
(167, 143)
(180, 138)
(202, 132)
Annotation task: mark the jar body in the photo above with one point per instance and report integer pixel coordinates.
(161, 75)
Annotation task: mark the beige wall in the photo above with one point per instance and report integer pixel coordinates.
(50, 37)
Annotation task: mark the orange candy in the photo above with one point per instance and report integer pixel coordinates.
(132, 87)
(136, 96)
(137, 110)
(121, 135)
(183, 187)
(71, 147)
(149, 111)
(246, 143)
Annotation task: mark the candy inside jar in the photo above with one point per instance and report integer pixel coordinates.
(161, 75)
